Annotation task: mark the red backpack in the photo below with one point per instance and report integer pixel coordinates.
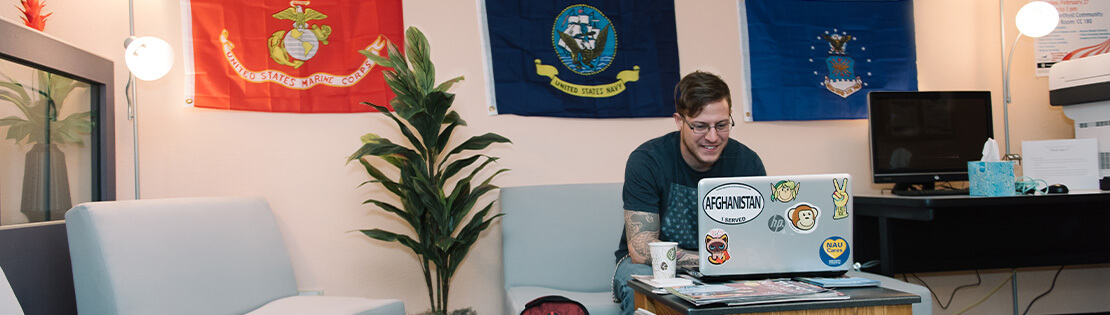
(554, 305)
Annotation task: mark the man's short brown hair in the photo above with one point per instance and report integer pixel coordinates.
(697, 89)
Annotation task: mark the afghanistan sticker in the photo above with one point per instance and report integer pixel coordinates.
(835, 251)
(733, 203)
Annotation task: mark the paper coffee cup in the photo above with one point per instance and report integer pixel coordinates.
(663, 256)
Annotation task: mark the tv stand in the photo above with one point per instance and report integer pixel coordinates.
(900, 187)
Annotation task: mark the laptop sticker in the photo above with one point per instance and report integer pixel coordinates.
(776, 223)
(716, 243)
(840, 199)
(832, 249)
(733, 203)
(803, 217)
(784, 191)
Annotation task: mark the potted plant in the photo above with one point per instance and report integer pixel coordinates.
(45, 180)
(435, 201)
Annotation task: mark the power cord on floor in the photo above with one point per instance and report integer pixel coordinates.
(1045, 292)
(943, 306)
(980, 301)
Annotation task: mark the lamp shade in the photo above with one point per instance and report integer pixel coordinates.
(148, 58)
(1037, 18)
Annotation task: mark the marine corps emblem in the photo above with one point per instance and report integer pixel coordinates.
(302, 41)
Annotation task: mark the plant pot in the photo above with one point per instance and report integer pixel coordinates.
(45, 184)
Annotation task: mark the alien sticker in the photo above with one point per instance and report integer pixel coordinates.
(716, 243)
(803, 218)
(784, 191)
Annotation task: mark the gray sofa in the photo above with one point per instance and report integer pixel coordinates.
(559, 240)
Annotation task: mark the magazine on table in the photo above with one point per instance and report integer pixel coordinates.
(755, 292)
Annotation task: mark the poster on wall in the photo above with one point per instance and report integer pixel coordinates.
(598, 59)
(818, 59)
(287, 56)
(1084, 30)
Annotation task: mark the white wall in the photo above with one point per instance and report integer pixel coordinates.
(296, 161)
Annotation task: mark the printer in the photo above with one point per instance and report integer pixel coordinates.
(1082, 87)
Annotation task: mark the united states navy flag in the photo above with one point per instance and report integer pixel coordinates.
(818, 59)
(589, 59)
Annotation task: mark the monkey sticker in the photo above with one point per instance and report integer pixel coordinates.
(716, 243)
(784, 191)
(803, 217)
(840, 199)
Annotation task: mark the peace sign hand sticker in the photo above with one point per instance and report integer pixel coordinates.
(840, 199)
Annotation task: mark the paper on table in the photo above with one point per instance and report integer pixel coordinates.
(1072, 162)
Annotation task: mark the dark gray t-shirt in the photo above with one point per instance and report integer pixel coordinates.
(658, 180)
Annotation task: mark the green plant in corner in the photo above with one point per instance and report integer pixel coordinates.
(433, 205)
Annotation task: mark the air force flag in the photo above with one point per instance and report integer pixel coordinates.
(817, 59)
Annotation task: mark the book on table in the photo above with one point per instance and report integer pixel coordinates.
(840, 282)
(755, 292)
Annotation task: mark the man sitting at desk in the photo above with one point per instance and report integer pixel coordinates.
(661, 178)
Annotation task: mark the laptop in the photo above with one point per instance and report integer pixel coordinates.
(763, 227)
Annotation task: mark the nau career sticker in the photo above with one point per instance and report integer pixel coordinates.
(832, 251)
(716, 243)
(733, 203)
(803, 217)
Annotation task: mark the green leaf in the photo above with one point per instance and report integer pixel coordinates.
(387, 236)
(416, 45)
(379, 60)
(446, 85)
(479, 143)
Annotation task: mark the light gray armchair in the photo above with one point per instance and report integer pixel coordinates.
(8, 303)
(222, 255)
(559, 240)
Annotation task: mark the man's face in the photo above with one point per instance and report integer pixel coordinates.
(700, 151)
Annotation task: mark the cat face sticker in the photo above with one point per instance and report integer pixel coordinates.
(716, 243)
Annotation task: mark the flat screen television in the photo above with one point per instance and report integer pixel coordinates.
(920, 138)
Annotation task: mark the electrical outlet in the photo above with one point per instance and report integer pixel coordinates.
(310, 292)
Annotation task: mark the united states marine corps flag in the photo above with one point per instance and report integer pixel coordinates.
(287, 56)
(589, 59)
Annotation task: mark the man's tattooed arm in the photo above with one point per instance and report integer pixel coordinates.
(641, 228)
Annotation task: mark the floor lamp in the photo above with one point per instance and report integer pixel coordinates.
(147, 58)
(1034, 19)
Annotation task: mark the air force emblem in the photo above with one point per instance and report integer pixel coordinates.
(586, 43)
(841, 78)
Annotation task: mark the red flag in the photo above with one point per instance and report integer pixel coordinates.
(288, 56)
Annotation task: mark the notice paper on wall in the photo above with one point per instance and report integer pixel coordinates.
(1072, 162)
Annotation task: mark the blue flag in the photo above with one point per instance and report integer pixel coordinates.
(588, 59)
(818, 59)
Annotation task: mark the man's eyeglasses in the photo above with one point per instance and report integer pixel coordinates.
(700, 128)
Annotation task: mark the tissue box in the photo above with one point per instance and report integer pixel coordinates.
(991, 178)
